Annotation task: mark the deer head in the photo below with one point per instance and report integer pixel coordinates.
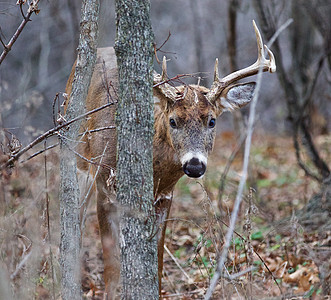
(189, 112)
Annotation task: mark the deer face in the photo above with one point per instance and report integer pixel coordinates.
(191, 123)
(191, 130)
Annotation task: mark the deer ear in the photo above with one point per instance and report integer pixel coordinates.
(237, 96)
(163, 98)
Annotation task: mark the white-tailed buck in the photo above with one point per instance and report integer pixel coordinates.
(185, 118)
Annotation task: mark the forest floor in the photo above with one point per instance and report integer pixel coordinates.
(285, 259)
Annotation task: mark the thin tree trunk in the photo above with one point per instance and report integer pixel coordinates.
(198, 43)
(238, 120)
(69, 189)
(296, 94)
(135, 121)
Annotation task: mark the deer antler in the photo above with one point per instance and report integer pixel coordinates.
(261, 63)
(160, 82)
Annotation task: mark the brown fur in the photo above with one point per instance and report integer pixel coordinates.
(192, 113)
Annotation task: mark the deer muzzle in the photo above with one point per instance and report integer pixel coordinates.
(194, 165)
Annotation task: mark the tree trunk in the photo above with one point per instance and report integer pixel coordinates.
(198, 41)
(238, 119)
(298, 88)
(69, 189)
(135, 121)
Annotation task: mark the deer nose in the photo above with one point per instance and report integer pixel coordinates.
(194, 168)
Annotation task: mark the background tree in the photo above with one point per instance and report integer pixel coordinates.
(300, 83)
(135, 119)
(300, 80)
(69, 188)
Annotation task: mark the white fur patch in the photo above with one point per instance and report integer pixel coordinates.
(226, 105)
(189, 155)
(196, 99)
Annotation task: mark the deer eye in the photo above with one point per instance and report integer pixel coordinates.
(212, 123)
(172, 123)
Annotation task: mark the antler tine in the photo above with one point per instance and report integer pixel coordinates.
(261, 58)
(261, 63)
(164, 75)
(272, 60)
(259, 42)
(161, 85)
(216, 75)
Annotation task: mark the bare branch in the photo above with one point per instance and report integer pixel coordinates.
(33, 8)
(190, 280)
(50, 133)
(39, 152)
(94, 178)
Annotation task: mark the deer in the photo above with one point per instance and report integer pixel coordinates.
(184, 134)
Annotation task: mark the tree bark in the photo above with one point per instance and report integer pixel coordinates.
(135, 121)
(69, 189)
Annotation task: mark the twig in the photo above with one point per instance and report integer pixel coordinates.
(228, 165)
(56, 99)
(21, 9)
(158, 49)
(242, 182)
(50, 133)
(167, 39)
(20, 265)
(25, 257)
(97, 129)
(279, 30)
(39, 152)
(83, 157)
(190, 280)
(32, 9)
(243, 272)
(95, 177)
(179, 295)
(172, 79)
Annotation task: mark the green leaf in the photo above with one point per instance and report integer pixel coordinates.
(262, 183)
(275, 247)
(205, 261)
(178, 253)
(278, 237)
(208, 243)
(257, 262)
(257, 235)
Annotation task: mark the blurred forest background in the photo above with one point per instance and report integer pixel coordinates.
(293, 102)
(39, 64)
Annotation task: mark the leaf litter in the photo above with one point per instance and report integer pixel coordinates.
(287, 262)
